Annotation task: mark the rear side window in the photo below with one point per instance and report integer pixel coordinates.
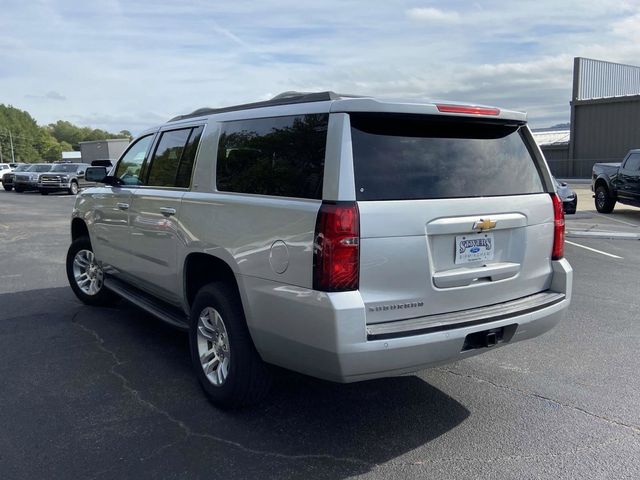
(280, 156)
(173, 159)
(400, 157)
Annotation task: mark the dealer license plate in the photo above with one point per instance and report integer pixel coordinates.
(475, 247)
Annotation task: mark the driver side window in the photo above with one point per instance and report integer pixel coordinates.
(129, 168)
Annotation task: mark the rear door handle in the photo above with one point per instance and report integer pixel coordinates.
(122, 206)
(167, 211)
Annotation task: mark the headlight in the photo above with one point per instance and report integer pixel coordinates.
(33, 177)
(65, 178)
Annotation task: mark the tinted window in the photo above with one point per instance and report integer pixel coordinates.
(411, 157)
(183, 177)
(281, 156)
(173, 159)
(164, 165)
(633, 162)
(130, 165)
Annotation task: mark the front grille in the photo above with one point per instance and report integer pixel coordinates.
(50, 178)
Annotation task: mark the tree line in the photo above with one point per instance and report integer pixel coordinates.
(35, 143)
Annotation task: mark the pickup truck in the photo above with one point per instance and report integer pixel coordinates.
(617, 182)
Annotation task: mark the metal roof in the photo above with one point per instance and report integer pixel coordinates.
(599, 79)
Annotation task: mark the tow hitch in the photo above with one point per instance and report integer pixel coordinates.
(489, 338)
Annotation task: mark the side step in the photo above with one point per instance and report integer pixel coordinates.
(162, 310)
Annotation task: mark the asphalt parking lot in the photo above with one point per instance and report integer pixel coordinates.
(108, 392)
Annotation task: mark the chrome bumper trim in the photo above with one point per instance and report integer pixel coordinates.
(464, 318)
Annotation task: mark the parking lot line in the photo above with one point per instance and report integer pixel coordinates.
(616, 220)
(593, 249)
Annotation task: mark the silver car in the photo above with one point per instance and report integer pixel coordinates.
(347, 238)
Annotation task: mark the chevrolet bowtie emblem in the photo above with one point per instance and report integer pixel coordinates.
(484, 224)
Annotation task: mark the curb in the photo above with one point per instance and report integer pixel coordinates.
(603, 235)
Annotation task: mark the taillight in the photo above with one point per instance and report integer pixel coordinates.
(336, 251)
(558, 228)
(468, 109)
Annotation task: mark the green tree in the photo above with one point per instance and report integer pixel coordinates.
(33, 143)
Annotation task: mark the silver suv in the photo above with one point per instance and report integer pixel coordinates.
(347, 238)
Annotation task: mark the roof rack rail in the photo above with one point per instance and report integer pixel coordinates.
(285, 98)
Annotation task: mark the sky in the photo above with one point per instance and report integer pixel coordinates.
(134, 64)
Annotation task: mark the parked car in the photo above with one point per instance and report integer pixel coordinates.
(568, 197)
(28, 179)
(4, 168)
(7, 178)
(67, 177)
(617, 182)
(345, 238)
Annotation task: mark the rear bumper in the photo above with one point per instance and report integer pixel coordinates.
(325, 335)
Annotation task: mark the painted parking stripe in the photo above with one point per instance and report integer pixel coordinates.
(593, 249)
(616, 220)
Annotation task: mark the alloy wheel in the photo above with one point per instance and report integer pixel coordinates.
(87, 273)
(213, 346)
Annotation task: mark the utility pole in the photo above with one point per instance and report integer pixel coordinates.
(13, 159)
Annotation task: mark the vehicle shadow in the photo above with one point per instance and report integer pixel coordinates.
(122, 361)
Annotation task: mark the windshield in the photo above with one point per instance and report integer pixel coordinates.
(65, 168)
(22, 168)
(40, 167)
(402, 157)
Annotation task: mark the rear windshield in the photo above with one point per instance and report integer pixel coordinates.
(416, 157)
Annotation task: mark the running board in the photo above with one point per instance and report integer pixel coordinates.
(162, 310)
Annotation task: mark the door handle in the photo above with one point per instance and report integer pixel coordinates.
(167, 211)
(122, 206)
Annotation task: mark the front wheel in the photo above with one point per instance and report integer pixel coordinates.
(44, 192)
(19, 190)
(85, 274)
(73, 188)
(226, 362)
(604, 202)
(8, 188)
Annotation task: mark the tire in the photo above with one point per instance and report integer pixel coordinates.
(44, 192)
(81, 261)
(8, 188)
(19, 190)
(604, 202)
(73, 188)
(225, 338)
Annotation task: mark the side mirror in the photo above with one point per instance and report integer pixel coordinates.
(96, 174)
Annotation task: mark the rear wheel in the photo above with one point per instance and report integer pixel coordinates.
(604, 202)
(73, 188)
(85, 274)
(226, 362)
